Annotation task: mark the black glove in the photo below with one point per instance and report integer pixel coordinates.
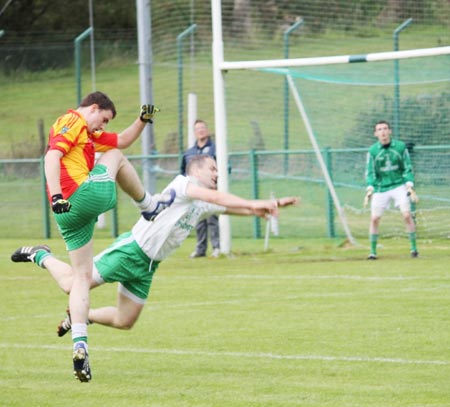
(147, 112)
(60, 205)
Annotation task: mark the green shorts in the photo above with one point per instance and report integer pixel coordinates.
(125, 262)
(93, 197)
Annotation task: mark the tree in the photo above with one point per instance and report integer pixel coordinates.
(241, 21)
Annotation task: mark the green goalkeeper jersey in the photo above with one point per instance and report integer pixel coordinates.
(389, 166)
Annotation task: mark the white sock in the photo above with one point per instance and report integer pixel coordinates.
(79, 331)
(146, 203)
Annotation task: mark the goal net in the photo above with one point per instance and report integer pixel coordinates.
(288, 110)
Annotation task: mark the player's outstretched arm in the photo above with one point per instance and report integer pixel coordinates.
(218, 198)
(264, 208)
(243, 206)
(131, 133)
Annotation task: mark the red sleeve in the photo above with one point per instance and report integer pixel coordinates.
(105, 141)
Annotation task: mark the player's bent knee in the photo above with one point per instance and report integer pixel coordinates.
(125, 324)
(111, 158)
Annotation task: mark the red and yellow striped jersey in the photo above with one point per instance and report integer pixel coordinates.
(69, 134)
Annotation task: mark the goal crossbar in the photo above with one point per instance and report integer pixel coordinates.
(333, 60)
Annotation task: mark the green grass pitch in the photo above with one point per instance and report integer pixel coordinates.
(307, 323)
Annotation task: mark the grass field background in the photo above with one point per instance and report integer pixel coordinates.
(307, 323)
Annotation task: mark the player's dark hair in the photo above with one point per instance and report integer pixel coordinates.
(197, 161)
(382, 122)
(100, 99)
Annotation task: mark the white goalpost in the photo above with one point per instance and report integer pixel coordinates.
(322, 164)
(220, 67)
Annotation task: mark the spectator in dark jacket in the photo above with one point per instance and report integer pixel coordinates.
(203, 145)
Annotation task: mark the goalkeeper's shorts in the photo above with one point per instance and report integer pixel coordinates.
(93, 197)
(382, 200)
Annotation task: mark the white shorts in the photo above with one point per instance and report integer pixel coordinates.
(382, 200)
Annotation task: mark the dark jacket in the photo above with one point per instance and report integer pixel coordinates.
(209, 149)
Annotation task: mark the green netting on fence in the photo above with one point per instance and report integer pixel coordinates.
(259, 175)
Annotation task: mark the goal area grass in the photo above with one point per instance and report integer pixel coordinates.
(309, 322)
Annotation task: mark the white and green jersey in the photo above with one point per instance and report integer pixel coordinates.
(388, 167)
(158, 239)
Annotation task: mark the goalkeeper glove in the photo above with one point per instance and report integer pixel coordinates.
(60, 205)
(412, 193)
(147, 113)
(369, 194)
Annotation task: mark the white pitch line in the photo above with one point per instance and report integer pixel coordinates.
(277, 277)
(250, 355)
(322, 277)
(299, 277)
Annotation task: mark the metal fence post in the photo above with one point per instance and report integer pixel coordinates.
(255, 187)
(77, 42)
(329, 199)
(45, 204)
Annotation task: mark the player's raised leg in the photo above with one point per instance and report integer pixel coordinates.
(34, 254)
(122, 316)
(121, 169)
(43, 257)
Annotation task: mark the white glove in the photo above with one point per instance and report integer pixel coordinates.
(369, 193)
(411, 192)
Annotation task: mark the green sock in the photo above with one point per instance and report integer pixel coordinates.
(80, 339)
(373, 243)
(412, 241)
(40, 256)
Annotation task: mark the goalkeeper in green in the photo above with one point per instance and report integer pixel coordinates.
(389, 177)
